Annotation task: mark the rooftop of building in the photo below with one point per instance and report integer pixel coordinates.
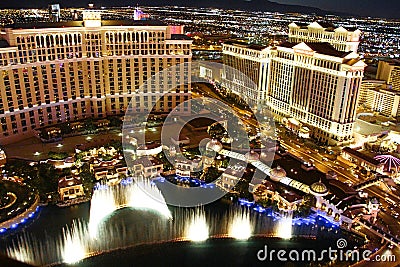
(318, 188)
(246, 45)
(294, 170)
(350, 201)
(290, 196)
(147, 161)
(80, 23)
(392, 61)
(351, 61)
(180, 37)
(360, 155)
(149, 145)
(365, 128)
(301, 24)
(326, 25)
(235, 170)
(201, 122)
(337, 189)
(69, 181)
(4, 44)
(321, 48)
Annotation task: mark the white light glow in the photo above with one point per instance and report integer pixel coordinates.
(74, 248)
(285, 227)
(101, 206)
(144, 195)
(240, 227)
(197, 230)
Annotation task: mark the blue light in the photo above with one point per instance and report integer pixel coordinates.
(14, 225)
(30, 215)
(23, 221)
(3, 230)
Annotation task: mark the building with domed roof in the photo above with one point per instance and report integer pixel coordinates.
(214, 145)
(277, 174)
(319, 189)
(252, 156)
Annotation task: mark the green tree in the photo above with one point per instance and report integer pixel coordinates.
(216, 131)
(115, 121)
(3, 194)
(44, 179)
(242, 187)
(65, 128)
(88, 179)
(57, 155)
(211, 174)
(89, 125)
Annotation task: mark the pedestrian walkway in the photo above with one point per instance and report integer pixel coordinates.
(267, 170)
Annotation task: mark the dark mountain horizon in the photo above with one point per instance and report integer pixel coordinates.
(248, 5)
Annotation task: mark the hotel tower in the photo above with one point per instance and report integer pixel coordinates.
(314, 83)
(66, 71)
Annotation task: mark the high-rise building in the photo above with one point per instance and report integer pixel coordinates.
(317, 85)
(389, 72)
(54, 12)
(252, 62)
(377, 96)
(342, 39)
(365, 89)
(66, 71)
(309, 81)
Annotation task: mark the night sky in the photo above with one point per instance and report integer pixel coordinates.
(376, 8)
(379, 8)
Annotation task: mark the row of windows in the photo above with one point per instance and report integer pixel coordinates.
(39, 117)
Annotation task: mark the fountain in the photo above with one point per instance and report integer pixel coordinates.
(109, 229)
(284, 228)
(101, 205)
(197, 230)
(145, 195)
(76, 243)
(240, 226)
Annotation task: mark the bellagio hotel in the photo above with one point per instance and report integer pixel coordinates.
(313, 78)
(65, 71)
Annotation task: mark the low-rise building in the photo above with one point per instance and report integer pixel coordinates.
(147, 167)
(361, 159)
(70, 188)
(185, 168)
(230, 177)
(148, 149)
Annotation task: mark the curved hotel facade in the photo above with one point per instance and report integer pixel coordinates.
(66, 71)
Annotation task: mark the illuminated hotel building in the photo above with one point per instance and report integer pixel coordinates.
(311, 82)
(365, 89)
(389, 72)
(379, 97)
(252, 63)
(341, 39)
(66, 71)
